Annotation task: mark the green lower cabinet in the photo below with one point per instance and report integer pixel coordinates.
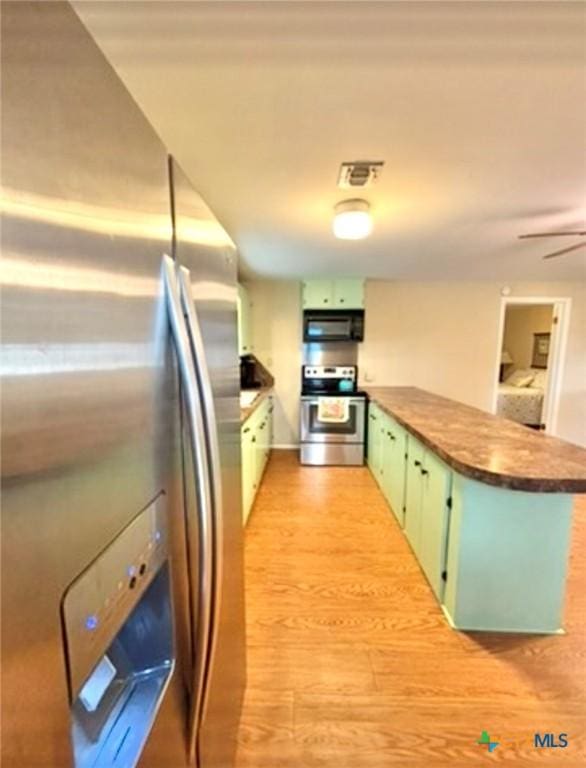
(248, 470)
(436, 481)
(507, 558)
(386, 457)
(374, 446)
(393, 473)
(256, 441)
(398, 477)
(496, 559)
(414, 493)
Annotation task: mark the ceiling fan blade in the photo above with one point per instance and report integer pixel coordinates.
(565, 250)
(579, 233)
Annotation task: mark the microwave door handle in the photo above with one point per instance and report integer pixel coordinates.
(201, 583)
(213, 451)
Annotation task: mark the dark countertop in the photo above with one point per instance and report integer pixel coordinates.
(485, 447)
(263, 393)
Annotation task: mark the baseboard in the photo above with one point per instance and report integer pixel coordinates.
(286, 447)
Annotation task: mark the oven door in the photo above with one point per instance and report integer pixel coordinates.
(315, 431)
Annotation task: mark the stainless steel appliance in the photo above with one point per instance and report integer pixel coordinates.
(328, 325)
(324, 442)
(122, 593)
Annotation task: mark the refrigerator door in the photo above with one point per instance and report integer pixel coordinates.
(90, 433)
(199, 508)
(203, 247)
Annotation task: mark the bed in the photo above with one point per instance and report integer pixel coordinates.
(522, 402)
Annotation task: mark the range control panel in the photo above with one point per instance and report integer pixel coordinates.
(98, 602)
(329, 372)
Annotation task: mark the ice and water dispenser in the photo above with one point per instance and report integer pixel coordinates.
(118, 628)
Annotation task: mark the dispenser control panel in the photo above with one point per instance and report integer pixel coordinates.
(98, 602)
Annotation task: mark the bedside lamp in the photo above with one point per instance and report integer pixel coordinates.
(506, 359)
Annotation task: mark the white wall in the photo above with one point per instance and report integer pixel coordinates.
(442, 337)
(276, 336)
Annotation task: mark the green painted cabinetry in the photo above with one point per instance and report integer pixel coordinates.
(248, 469)
(496, 559)
(386, 457)
(333, 294)
(374, 444)
(256, 441)
(413, 494)
(436, 487)
(245, 345)
(507, 558)
(393, 473)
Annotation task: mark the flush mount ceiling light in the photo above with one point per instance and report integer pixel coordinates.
(352, 220)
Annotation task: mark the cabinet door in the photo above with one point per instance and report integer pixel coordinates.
(260, 442)
(270, 426)
(436, 488)
(349, 294)
(264, 438)
(318, 294)
(413, 496)
(387, 440)
(394, 472)
(244, 325)
(373, 430)
(247, 471)
(397, 478)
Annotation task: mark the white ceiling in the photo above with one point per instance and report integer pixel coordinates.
(477, 109)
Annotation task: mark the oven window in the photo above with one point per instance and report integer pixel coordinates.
(323, 328)
(317, 427)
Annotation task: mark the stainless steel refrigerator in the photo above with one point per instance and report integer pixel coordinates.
(122, 573)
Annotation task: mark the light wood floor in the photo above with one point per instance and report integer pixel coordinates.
(350, 661)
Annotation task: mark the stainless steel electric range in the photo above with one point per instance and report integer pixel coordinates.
(326, 442)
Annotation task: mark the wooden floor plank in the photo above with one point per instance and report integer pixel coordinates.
(351, 662)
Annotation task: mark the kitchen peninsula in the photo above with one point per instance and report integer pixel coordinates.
(485, 503)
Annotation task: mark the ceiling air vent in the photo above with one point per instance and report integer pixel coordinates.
(359, 174)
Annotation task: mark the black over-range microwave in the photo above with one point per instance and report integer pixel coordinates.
(333, 325)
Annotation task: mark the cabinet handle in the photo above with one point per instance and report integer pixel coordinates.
(373, 417)
(326, 301)
(425, 472)
(416, 463)
(253, 439)
(246, 429)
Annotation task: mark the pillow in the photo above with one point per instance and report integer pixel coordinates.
(520, 378)
(539, 380)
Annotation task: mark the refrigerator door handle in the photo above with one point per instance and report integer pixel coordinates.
(201, 583)
(211, 431)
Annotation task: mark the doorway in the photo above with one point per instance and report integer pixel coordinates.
(530, 359)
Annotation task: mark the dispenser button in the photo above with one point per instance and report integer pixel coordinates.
(142, 569)
(132, 583)
(91, 622)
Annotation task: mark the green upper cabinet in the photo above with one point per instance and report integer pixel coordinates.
(333, 294)
(349, 294)
(245, 346)
(318, 294)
